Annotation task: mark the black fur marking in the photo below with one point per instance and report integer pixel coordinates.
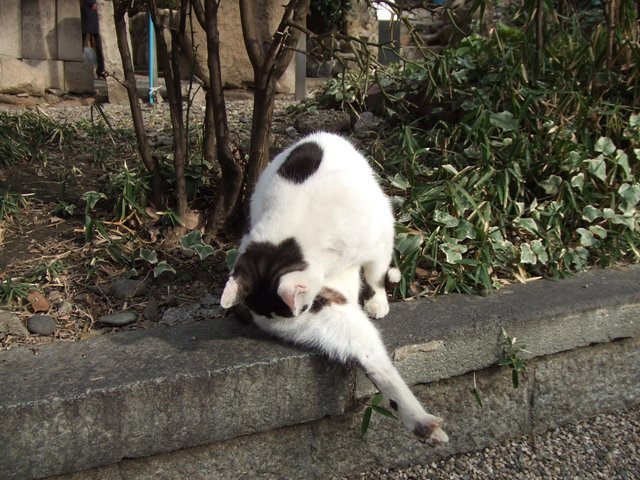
(302, 162)
(258, 271)
(422, 430)
(366, 290)
(327, 296)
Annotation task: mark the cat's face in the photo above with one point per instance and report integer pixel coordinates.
(271, 280)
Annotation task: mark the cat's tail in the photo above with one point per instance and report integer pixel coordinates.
(393, 276)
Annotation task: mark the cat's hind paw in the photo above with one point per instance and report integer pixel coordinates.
(431, 432)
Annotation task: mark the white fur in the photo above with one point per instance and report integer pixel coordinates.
(340, 217)
(343, 332)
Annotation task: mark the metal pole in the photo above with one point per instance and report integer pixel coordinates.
(153, 67)
(301, 68)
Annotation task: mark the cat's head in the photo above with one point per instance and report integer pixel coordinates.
(271, 280)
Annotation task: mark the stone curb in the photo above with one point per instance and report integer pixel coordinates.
(222, 386)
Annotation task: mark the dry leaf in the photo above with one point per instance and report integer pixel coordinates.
(38, 302)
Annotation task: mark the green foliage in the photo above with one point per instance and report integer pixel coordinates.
(193, 242)
(10, 205)
(501, 169)
(130, 188)
(374, 406)
(49, 271)
(327, 15)
(91, 198)
(511, 357)
(12, 291)
(27, 136)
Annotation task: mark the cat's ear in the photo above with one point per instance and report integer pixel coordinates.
(292, 295)
(232, 293)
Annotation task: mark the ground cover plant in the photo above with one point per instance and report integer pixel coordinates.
(505, 163)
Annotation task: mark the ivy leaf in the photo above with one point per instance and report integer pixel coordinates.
(202, 250)
(149, 255)
(162, 267)
(445, 219)
(505, 121)
(464, 230)
(191, 239)
(551, 184)
(586, 238)
(598, 231)
(604, 145)
(541, 253)
(407, 243)
(453, 252)
(577, 181)
(590, 213)
(630, 197)
(527, 255)
(529, 224)
(622, 159)
(597, 167)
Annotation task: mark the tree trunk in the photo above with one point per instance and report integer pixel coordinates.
(174, 95)
(151, 164)
(269, 57)
(230, 188)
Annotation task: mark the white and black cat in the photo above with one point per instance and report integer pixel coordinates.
(319, 226)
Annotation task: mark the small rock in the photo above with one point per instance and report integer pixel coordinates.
(126, 288)
(41, 325)
(119, 319)
(366, 121)
(11, 325)
(151, 310)
(291, 131)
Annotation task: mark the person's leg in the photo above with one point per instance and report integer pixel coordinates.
(100, 67)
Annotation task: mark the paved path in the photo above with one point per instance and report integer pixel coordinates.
(604, 447)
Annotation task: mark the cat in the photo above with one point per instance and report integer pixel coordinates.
(316, 210)
(320, 228)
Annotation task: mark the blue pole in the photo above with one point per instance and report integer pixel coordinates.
(152, 60)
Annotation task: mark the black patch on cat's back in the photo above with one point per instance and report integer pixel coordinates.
(302, 162)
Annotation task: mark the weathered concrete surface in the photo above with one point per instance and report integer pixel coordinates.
(331, 446)
(69, 30)
(116, 91)
(11, 31)
(18, 77)
(39, 33)
(256, 406)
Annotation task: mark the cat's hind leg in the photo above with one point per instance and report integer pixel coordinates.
(375, 276)
(346, 333)
(381, 371)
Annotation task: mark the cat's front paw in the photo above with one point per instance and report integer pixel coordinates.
(430, 431)
(377, 306)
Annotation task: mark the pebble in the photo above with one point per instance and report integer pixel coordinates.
(126, 288)
(11, 325)
(151, 310)
(604, 447)
(41, 325)
(119, 319)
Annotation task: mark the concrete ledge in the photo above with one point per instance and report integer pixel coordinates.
(254, 407)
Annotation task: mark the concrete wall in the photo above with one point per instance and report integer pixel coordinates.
(47, 36)
(217, 399)
(11, 31)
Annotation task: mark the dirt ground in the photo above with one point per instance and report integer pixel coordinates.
(44, 254)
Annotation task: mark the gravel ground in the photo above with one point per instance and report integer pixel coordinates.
(606, 446)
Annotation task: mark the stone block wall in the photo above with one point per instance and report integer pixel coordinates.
(47, 36)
